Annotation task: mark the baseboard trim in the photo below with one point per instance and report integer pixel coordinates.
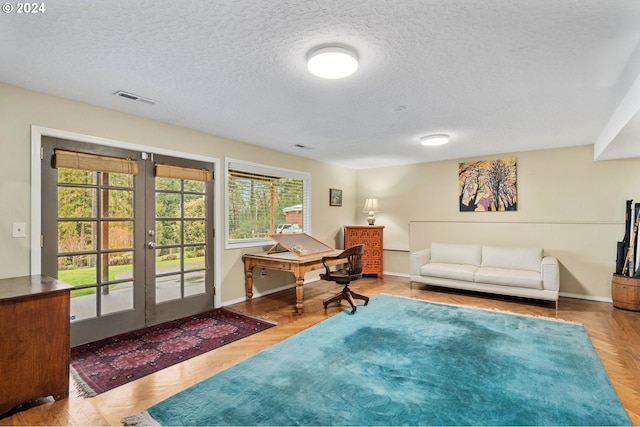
(586, 297)
(269, 292)
(387, 273)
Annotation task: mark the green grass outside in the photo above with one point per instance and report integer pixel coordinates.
(83, 276)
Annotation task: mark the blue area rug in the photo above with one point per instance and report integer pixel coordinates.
(401, 361)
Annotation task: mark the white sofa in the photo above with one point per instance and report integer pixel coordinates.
(515, 271)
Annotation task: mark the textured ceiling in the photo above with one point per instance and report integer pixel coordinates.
(497, 75)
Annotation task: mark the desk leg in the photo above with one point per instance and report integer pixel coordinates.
(248, 278)
(299, 294)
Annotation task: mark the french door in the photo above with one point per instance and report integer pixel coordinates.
(131, 231)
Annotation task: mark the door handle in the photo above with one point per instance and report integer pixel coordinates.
(151, 245)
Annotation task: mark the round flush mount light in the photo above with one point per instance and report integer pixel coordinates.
(332, 62)
(431, 140)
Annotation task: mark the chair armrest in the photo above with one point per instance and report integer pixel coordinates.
(329, 258)
(324, 260)
(417, 260)
(550, 271)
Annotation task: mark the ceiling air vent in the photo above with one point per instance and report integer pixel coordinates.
(134, 97)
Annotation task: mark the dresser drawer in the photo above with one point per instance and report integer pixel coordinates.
(372, 237)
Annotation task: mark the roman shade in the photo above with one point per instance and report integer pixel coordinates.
(181, 172)
(94, 162)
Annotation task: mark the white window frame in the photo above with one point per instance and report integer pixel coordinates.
(230, 164)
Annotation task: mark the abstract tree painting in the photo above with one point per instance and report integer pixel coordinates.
(488, 185)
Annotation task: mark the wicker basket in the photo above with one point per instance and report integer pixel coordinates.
(625, 292)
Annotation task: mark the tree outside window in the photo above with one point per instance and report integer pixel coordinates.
(262, 200)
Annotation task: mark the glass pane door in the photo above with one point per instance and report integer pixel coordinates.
(95, 241)
(136, 247)
(90, 226)
(179, 241)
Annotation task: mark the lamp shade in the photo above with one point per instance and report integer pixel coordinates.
(371, 205)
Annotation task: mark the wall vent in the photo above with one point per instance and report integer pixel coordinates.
(134, 97)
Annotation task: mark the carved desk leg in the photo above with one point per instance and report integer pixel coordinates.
(299, 292)
(248, 278)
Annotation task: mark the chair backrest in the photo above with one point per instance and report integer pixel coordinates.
(354, 256)
(347, 271)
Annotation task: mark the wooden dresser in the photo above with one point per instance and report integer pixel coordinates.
(34, 339)
(372, 238)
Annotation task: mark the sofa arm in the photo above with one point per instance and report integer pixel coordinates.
(417, 260)
(550, 274)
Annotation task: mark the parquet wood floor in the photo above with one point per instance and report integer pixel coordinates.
(615, 335)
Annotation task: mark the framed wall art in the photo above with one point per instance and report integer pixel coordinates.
(335, 197)
(488, 186)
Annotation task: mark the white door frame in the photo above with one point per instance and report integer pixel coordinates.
(37, 132)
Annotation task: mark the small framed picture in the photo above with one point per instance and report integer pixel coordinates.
(335, 197)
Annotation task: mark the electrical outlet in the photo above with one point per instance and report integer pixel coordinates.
(19, 229)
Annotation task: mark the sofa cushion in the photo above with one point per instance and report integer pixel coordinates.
(448, 253)
(509, 277)
(449, 271)
(512, 258)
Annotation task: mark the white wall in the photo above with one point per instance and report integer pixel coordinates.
(568, 204)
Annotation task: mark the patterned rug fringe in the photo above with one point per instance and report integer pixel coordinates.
(141, 419)
(82, 388)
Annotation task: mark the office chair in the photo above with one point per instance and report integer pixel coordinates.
(345, 273)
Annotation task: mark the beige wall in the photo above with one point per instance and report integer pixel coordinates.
(20, 109)
(570, 205)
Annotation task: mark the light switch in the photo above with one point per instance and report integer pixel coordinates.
(19, 229)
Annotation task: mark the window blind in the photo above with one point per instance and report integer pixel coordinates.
(259, 197)
(94, 162)
(181, 172)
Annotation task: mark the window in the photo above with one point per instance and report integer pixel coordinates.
(263, 200)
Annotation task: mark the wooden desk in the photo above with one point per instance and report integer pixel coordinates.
(34, 339)
(285, 261)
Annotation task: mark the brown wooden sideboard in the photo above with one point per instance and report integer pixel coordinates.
(34, 339)
(372, 238)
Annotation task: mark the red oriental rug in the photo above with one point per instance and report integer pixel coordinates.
(109, 363)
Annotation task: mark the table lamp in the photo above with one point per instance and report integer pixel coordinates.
(371, 206)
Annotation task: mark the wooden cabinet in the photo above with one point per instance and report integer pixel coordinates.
(372, 238)
(34, 339)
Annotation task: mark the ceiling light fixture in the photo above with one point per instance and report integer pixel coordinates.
(431, 140)
(332, 62)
